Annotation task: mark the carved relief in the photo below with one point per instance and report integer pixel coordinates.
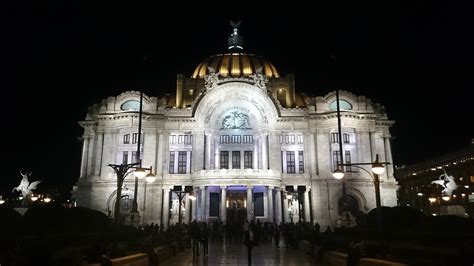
(236, 120)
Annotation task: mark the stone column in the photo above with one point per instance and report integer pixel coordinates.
(187, 209)
(265, 151)
(249, 203)
(159, 155)
(98, 154)
(194, 206)
(166, 206)
(203, 203)
(274, 149)
(255, 154)
(307, 215)
(278, 205)
(286, 218)
(90, 155)
(198, 145)
(223, 205)
(207, 164)
(270, 204)
(85, 146)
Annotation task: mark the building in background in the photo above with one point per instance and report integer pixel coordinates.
(420, 185)
(242, 136)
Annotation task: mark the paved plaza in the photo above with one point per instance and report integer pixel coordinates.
(236, 254)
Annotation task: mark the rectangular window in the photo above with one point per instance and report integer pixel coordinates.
(224, 139)
(135, 138)
(188, 139)
(345, 138)
(126, 139)
(258, 206)
(182, 157)
(213, 204)
(248, 138)
(236, 139)
(224, 160)
(300, 162)
(134, 157)
(235, 159)
(292, 139)
(172, 139)
(281, 139)
(248, 159)
(336, 156)
(300, 139)
(171, 166)
(125, 157)
(334, 137)
(290, 162)
(287, 139)
(348, 160)
(181, 139)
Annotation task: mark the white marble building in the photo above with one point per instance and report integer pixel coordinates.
(241, 136)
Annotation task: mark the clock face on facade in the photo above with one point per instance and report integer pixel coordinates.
(236, 120)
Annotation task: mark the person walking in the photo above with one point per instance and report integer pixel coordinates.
(196, 235)
(250, 241)
(205, 232)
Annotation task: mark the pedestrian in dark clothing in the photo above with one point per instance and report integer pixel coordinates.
(249, 241)
(276, 236)
(355, 252)
(196, 235)
(205, 232)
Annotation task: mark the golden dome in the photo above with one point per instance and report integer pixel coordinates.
(235, 65)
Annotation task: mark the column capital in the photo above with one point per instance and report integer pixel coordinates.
(224, 187)
(271, 187)
(202, 187)
(249, 187)
(278, 188)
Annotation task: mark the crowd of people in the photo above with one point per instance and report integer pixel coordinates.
(197, 234)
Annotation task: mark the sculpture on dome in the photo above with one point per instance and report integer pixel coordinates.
(259, 79)
(447, 182)
(25, 187)
(211, 79)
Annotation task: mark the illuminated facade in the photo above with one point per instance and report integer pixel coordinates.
(241, 135)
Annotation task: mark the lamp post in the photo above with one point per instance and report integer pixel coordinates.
(180, 193)
(122, 170)
(378, 168)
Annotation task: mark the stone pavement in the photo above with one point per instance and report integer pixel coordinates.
(236, 254)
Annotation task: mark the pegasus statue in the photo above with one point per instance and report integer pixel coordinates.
(447, 182)
(25, 187)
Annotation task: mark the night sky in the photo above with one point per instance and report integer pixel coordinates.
(415, 58)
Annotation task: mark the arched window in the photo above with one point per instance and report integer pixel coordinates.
(131, 105)
(343, 105)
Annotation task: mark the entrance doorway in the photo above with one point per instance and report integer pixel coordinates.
(236, 204)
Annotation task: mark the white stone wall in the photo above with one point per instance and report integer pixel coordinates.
(367, 126)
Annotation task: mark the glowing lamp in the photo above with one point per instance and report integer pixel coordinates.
(140, 173)
(338, 174)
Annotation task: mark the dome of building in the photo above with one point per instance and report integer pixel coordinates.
(235, 65)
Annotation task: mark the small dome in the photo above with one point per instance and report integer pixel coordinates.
(235, 65)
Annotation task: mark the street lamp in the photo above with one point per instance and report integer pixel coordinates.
(122, 170)
(180, 193)
(377, 169)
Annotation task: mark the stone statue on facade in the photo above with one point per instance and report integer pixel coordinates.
(211, 79)
(25, 187)
(259, 79)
